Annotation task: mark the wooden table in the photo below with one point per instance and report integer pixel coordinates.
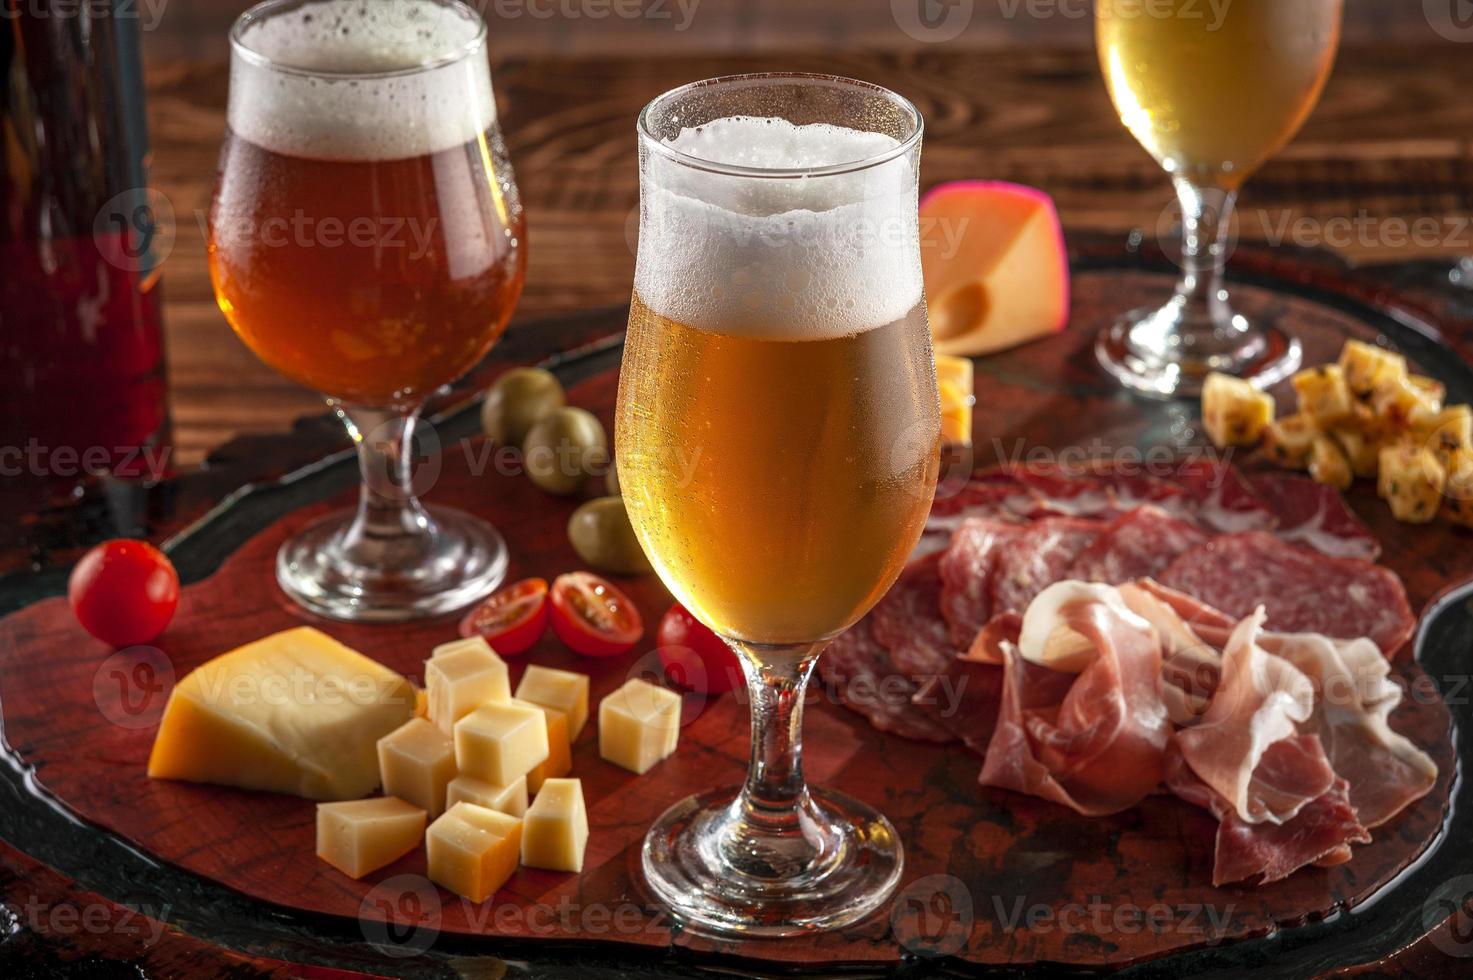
(1391, 143)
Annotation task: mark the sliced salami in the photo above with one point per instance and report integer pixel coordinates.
(966, 572)
(1038, 558)
(1315, 515)
(1138, 544)
(1303, 592)
(1226, 501)
(908, 622)
(857, 669)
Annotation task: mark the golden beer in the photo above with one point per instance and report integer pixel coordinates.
(1213, 90)
(777, 484)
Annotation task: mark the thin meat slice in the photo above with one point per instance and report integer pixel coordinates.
(1191, 667)
(1345, 598)
(1259, 700)
(1093, 740)
(966, 572)
(1138, 544)
(907, 621)
(1038, 558)
(1315, 515)
(1226, 502)
(1354, 698)
(995, 494)
(858, 670)
(1321, 833)
(1193, 611)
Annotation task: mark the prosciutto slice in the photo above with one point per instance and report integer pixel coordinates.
(1093, 740)
(1191, 667)
(1259, 701)
(1321, 833)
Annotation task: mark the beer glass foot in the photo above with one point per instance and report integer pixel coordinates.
(457, 560)
(720, 872)
(1158, 352)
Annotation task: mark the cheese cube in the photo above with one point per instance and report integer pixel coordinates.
(1412, 481)
(555, 832)
(1365, 367)
(1234, 413)
(1432, 390)
(562, 690)
(1328, 465)
(416, 763)
(1457, 505)
(954, 380)
(360, 836)
(1288, 441)
(1362, 451)
(1323, 395)
(461, 677)
(638, 725)
(500, 743)
(510, 799)
(294, 712)
(1449, 430)
(472, 850)
(559, 761)
(1400, 404)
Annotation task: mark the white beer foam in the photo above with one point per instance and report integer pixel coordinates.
(347, 118)
(783, 258)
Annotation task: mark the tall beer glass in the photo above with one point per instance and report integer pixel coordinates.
(366, 240)
(777, 439)
(1211, 91)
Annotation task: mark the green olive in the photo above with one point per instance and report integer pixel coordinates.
(516, 401)
(611, 480)
(564, 449)
(602, 536)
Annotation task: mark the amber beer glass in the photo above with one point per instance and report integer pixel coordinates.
(777, 441)
(1211, 91)
(367, 241)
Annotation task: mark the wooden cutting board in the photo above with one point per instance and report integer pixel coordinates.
(992, 878)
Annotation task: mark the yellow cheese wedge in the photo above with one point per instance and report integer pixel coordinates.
(295, 712)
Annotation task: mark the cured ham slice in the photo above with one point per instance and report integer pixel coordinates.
(1190, 666)
(966, 571)
(1138, 544)
(1259, 701)
(1321, 833)
(1226, 502)
(1315, 515)
(906, 625)
(1354, 698)
(1094, 740)
(1038, 558)
(1304, 592)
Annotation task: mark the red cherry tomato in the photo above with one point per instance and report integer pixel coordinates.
(592, 617)
(512, 619)
(124, 592)
(695, 658)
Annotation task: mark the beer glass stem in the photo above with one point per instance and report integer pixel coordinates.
(390, 529)
(1206, 218)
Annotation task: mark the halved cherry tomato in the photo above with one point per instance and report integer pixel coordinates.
(695, 659)
(512, 619)
(124, 592)
(592, 617)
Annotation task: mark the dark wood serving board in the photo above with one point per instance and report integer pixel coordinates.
(992, 879)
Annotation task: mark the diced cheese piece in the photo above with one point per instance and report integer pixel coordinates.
(1362, 452)
(559, 761)
(500, 743)
(555, 831)
(1412, 481)
(462, 676)
(1323, 395)
(1365, 367)
(417, 762)
(1234, 413)
(954, 378)
(562, 690)
(295, 712)
(1328, 465)
(1400, 404)
(421, 703)
(638, 725)
(510, 799)
(472, 850)
(1457, 504)
(1432, 390)
(360, 836)
(995, 265)
(1449, 430)
(1288, 441)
